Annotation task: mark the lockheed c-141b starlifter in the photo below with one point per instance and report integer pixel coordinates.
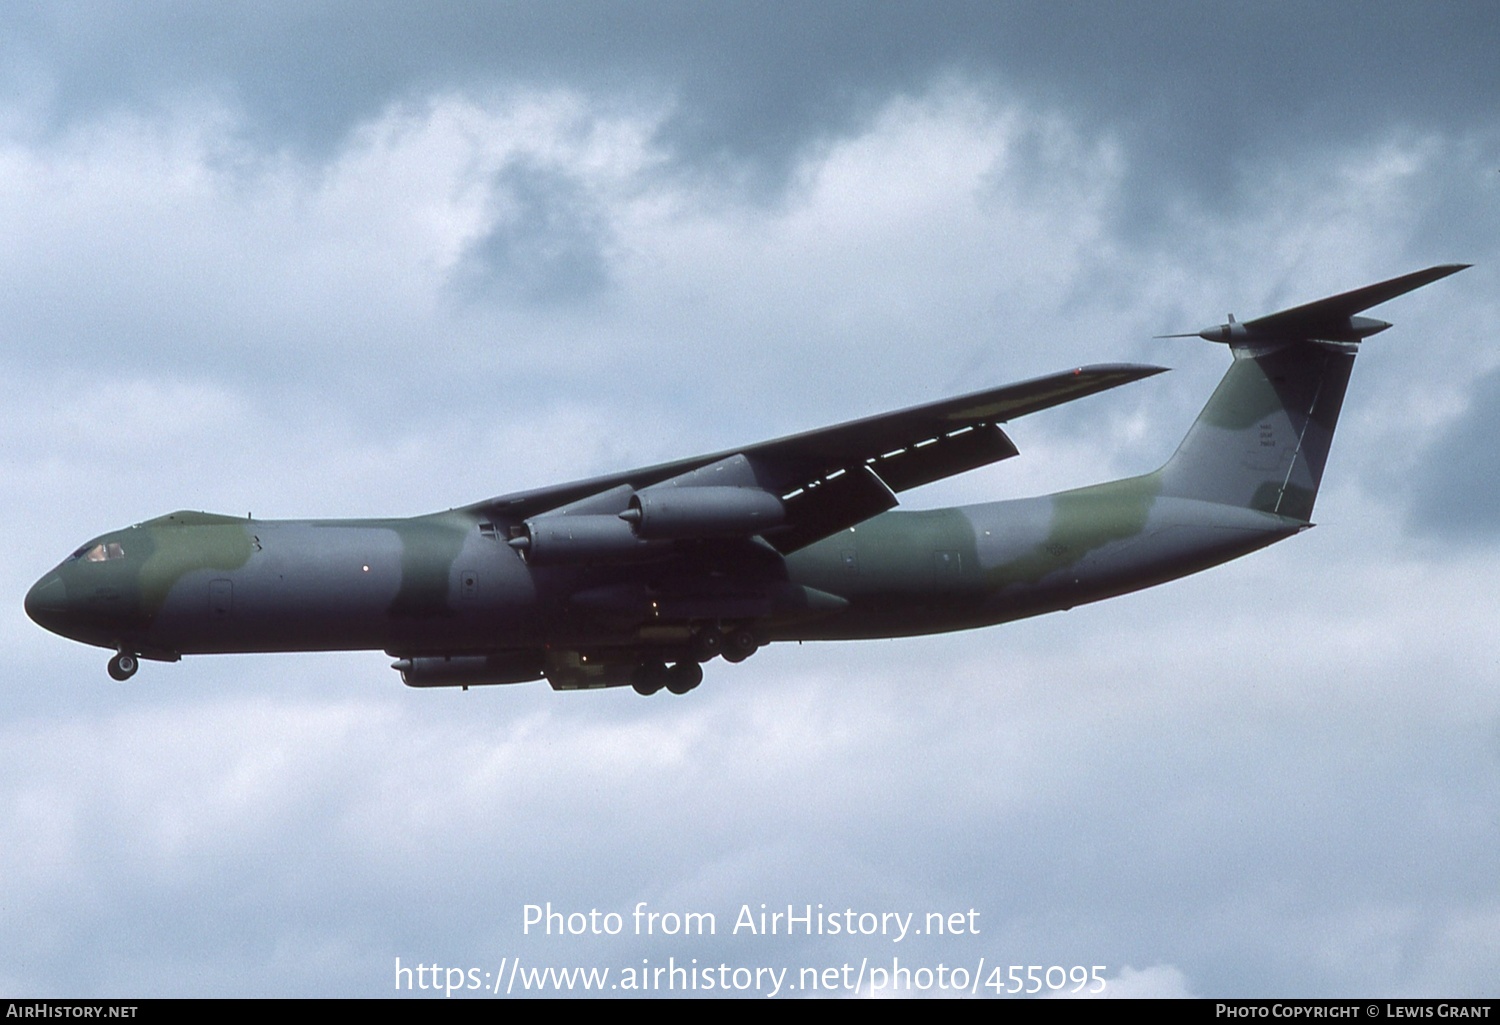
(641, 577)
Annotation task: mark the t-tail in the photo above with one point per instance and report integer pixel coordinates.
(1262, 441)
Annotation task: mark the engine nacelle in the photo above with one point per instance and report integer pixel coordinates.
(570, 540)
(678, 512)
(471, 670)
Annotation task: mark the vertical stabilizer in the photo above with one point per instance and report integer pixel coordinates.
(1263, 439)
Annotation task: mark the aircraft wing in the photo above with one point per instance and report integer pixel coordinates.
(835, 477)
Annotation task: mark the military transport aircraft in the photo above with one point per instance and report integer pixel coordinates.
(641, 577)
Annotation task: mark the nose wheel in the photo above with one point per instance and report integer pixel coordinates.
(123, 666)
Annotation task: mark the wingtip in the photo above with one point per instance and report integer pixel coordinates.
(1436, 272)
(1129, 371)
(1148, 369)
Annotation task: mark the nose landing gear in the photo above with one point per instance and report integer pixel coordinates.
(123, 666)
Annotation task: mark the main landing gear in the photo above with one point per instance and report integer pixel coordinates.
(679, 679)
(734, 643)
(123, 666)
(739, 644)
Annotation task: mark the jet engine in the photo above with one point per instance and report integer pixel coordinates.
(572, 539)
(652, 520)
(678, 512)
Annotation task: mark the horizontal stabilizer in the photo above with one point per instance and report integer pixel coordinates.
(1327, 317)
(1330, 320)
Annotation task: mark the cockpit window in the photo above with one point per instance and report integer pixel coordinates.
(102, 552)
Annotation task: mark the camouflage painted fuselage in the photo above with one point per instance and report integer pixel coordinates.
(195, 583)
(953, 569)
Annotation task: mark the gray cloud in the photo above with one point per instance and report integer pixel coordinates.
(546, 246)
(1198, 92)
(1454, 493)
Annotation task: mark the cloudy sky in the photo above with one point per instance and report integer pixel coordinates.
(343, 259)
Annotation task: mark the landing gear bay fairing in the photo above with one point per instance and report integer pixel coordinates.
(639, 578)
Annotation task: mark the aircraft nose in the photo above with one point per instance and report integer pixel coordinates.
(47, 602)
